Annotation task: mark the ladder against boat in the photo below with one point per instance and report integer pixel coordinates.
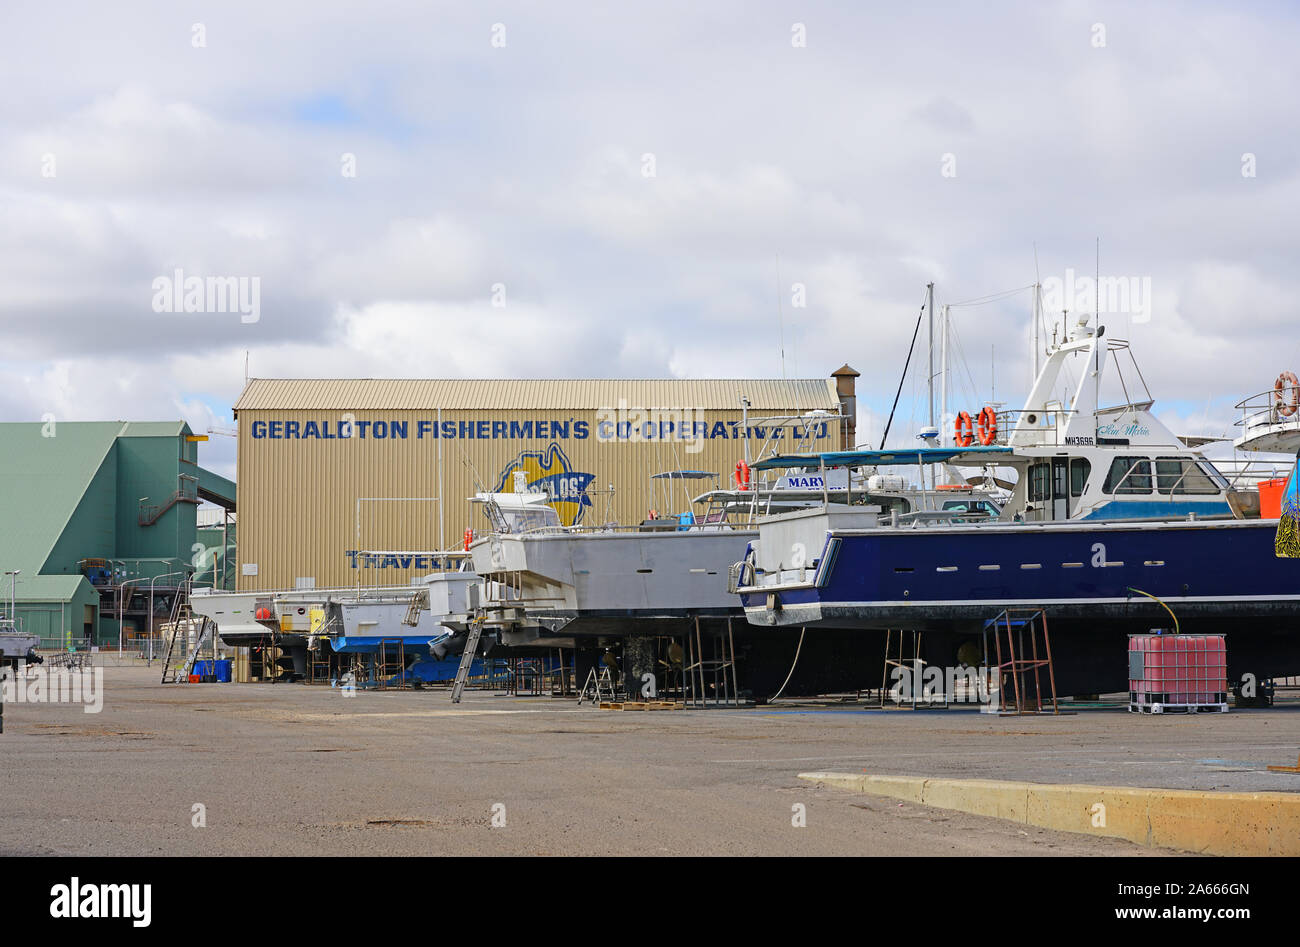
(467, 659)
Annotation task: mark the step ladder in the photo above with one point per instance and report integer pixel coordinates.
(177, 669)
(204, 630)
(597, 684)
(467, 659)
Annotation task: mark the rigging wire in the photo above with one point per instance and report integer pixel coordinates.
(910, 349)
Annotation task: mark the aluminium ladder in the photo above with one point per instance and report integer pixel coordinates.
(466, 659)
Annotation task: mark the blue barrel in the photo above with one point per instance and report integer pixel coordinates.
(223, 672)
(203, 668)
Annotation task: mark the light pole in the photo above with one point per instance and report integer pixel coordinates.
(122, 603)
(13, 596)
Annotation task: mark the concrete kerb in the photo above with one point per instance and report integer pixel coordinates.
(1216, 823)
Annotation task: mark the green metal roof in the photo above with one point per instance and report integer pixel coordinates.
(43, 588)
(45, 477)
(44, 480)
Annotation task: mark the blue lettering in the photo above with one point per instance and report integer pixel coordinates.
(378, 430)
(422, 428)
(719, 430)
(499, 429)
(484, 428)
(290, 429)
(518, 430)
(397, 429)
(580, 430)
(311, 429)
(276, 433)
(259, 430)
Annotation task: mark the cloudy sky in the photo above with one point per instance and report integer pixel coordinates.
(648, 188)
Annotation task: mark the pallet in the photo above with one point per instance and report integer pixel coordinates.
(1134, 708)
(643, 705)
(1286, 769)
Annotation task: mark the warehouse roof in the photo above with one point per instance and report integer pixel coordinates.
(487, 394)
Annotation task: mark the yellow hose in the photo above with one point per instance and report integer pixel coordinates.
(1162, 605)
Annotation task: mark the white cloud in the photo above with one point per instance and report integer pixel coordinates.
(522, 166)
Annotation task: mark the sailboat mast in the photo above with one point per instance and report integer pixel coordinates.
(943, 377)
(929, 309)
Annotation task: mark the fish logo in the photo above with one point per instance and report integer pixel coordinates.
(549, 471)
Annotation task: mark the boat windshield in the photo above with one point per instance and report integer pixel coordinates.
(521, 519)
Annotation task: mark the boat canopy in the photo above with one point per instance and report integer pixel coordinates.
(881, 458)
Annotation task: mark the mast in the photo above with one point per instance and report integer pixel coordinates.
(929, 308)
(943, 379)
(1037, 345)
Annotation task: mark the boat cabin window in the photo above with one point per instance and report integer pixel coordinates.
(1180, 475)
(1128, 475)
(1040, 482)
(1041, 479)
(973, 509)
(1080, 470)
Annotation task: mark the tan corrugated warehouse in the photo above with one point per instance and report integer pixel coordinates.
(339, 479)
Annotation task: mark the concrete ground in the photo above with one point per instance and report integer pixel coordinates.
(295, 769)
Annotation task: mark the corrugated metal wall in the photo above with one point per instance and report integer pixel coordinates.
(299, 486)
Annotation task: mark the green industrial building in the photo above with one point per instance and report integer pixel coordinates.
(98, 527)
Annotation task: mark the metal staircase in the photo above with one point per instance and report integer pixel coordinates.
(188, 492)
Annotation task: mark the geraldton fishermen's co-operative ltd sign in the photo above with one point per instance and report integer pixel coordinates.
(566, 429)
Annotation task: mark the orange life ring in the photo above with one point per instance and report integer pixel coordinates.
(742, 475)
(988, 425)
(1284, 381)
(469, 538)
(964, 435)
(652, 514)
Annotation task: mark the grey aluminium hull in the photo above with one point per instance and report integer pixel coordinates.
(607, 583)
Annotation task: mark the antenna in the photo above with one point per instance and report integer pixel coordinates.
(780, 315)
(245, 368)
(1096, 288)
(1038, 282)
